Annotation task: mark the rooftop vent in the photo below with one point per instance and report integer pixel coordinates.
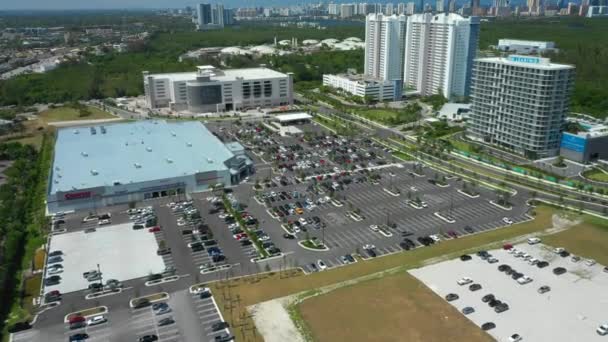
(103, 130)
(189, 144)
(59, 175)
(84, 154)
(117, 182)
(173, 134)
(169, 160)
(93, 131)
(137, 165)
(209, 160)
(94, 172)
(56, 181)
(149, 149)
(76, 131)
(57, 168)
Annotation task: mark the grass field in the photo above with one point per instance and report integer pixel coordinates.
(395, 308)
(32, 290)
(597, 175)
(69, 114)
(251, 290)
(588, 239)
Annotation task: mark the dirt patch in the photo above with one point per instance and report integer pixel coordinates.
(394, 308)
(273, 321)
(585, 239)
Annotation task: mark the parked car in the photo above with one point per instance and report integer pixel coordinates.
(602, 329)
(515, 338)
(78, 337)
(468, 310)
(543, 289)
(559, 270)
(96, 320)
(524, 280)
(166, 321)
(533, 240)
(475, 287)
(451, 297)
(464, 281)
(487, 298)
(148, 338)
(219, 326)
(488, 326)
(19, 326)
(465, 257)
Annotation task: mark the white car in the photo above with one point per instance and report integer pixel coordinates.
(435, 237)
(464, 281)
(413, 188)
(524, 280)
(200, 290)
(104, 221)
(374, 227)
(321, 265)
(558, 250)
(95, 320)
(590, 262)
(533, 240)
(602, 329)
(54, 270)
(507, 220)
(424, 204)
(89, 218)
(533, 261)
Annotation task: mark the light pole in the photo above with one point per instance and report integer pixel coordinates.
(100, 276)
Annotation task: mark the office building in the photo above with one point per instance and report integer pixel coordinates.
(384, 39)
(452, 6)
(203, 15)
(213, 90)
(98, 166)
(520, 103)
(333, 9)
(439, 53)
(365, 86)
(525, 46)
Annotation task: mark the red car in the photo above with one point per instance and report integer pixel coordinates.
(240, 236)
(154, 229)
(76, 319)
(507, 246)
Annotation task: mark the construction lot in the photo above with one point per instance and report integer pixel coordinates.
(571, 310)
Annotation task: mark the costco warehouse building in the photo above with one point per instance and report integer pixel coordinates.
(96, 166)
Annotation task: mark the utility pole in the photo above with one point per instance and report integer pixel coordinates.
(100, 276)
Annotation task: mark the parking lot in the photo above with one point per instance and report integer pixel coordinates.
(121, 253)
(571, 309)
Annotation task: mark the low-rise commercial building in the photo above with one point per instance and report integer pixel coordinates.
(585, 146)
(365, 86)
(96, 166)
(211, 90)
(525, 46)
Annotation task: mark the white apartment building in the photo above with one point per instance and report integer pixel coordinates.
(388, 9)
(384, 39)
(361, 85)
(212, 90)
(520, 103)
(410, 8)
(401, 8)
(439, 53)
(347, 10)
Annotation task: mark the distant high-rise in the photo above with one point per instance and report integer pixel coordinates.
(384, 39)
(410, 8)
(452, 6)
(520, 103)
(420, 6)
(401, 8)
(203, 14)
(439, 52)
(440, 6)
(347, 10)
(388, 9)
(212, 16)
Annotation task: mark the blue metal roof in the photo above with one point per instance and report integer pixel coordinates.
(90, 156)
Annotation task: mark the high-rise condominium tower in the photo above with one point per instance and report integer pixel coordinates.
(384, 46)
(439, 53)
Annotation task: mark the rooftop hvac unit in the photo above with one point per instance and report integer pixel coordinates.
(149, 149)
(93, 131)
(173, 134)
(59, 175)
(94, 172)
(76, 131)
(84, 154)
(56, 181)
(103, 130)
(209, 160)
(169, 160)
(189, 144)
(137, 165)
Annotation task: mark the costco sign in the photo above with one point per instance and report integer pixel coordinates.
(78, 195)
